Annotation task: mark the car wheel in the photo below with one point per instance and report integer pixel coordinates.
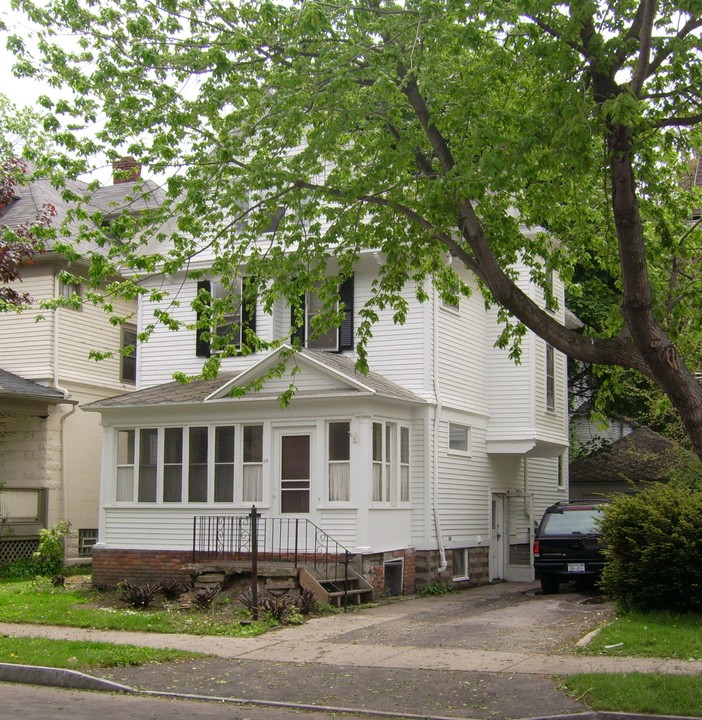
(549, 584)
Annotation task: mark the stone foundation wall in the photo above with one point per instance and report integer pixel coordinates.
(428, 562)
(372, 567)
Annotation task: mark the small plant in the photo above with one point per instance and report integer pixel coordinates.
(306, 602)
(246, 598)
(204, 596)
(278, 608)
(172, 588)
(138, 596)
(48, 558)
(434, 588)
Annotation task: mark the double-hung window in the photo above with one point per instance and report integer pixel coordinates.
(339, 461)
(335, 339)
(226, 311)
(391, 463)
(129, 353)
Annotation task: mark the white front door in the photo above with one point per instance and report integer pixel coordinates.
(497, 537)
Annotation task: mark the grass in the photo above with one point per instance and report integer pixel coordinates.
(660, 635)
(39, 603)
(79, 655)
(656, 694)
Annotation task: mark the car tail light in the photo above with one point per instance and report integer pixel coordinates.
(537, 549)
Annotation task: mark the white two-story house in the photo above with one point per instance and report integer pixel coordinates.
(435, 465)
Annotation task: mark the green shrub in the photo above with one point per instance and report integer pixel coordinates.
(653, 545)
(434, 588)
(48, 559)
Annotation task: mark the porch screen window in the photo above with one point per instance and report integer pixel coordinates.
(339, 461)
(173, 465)
(224, 465)
(148, 464)
(382, 461)
(197, 464)
(391, 463)
(252, 477)
(125, 466)
(404, 465)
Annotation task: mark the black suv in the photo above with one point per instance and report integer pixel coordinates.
(567, 545)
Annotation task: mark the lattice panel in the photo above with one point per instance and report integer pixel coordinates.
(11, 550)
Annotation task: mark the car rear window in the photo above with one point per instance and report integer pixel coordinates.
(567, 522)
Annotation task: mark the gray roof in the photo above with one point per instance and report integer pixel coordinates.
(110, 200)
(641, 456)
(12, 385)
(177, 393)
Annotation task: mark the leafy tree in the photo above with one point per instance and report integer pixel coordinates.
(421, 129)
(19, 244)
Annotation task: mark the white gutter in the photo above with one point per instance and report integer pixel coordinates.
(437, 419)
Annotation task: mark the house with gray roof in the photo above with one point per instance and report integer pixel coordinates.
(50, 450)
(434, 465)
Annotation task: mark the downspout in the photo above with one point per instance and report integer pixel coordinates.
(64, 416)
(437, 419)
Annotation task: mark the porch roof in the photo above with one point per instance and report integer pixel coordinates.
(14, 386)
(217, 390)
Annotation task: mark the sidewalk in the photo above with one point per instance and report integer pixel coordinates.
(488, 653)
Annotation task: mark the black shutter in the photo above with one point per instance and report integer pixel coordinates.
(346, 328)
(249, 297)
(202, 346)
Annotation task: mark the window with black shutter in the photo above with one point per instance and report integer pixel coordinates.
(237, 317)
(336, 339)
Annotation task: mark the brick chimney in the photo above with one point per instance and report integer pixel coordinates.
(126, 169)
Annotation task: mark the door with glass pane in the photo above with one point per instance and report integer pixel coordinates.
(295, 471)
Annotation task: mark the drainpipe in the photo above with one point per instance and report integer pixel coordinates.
(437, 419)
(65, 416)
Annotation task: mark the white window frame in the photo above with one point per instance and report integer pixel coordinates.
(128, 487)
(220, 291)
(462, 553)
(466, 431)
(561, 472)
(334, 466)
(388, 465)
(131, 329)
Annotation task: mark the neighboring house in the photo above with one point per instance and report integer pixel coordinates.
(50, 450)
(626, 465)
(435, 465)
(588, 435)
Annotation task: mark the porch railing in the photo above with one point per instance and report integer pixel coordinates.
(256, 538)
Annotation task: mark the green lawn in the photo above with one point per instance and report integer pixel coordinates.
(27, 602)
(79, 655)
(644, 635)
(656, 694)
(650, 635)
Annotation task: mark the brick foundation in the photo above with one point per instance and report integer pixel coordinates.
(111, 566)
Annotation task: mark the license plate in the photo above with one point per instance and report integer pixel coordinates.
(576, 567)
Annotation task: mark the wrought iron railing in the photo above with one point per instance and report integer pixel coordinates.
(256, 538)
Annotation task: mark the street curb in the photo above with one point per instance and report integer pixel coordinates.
(57, 677)
(74, 680)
